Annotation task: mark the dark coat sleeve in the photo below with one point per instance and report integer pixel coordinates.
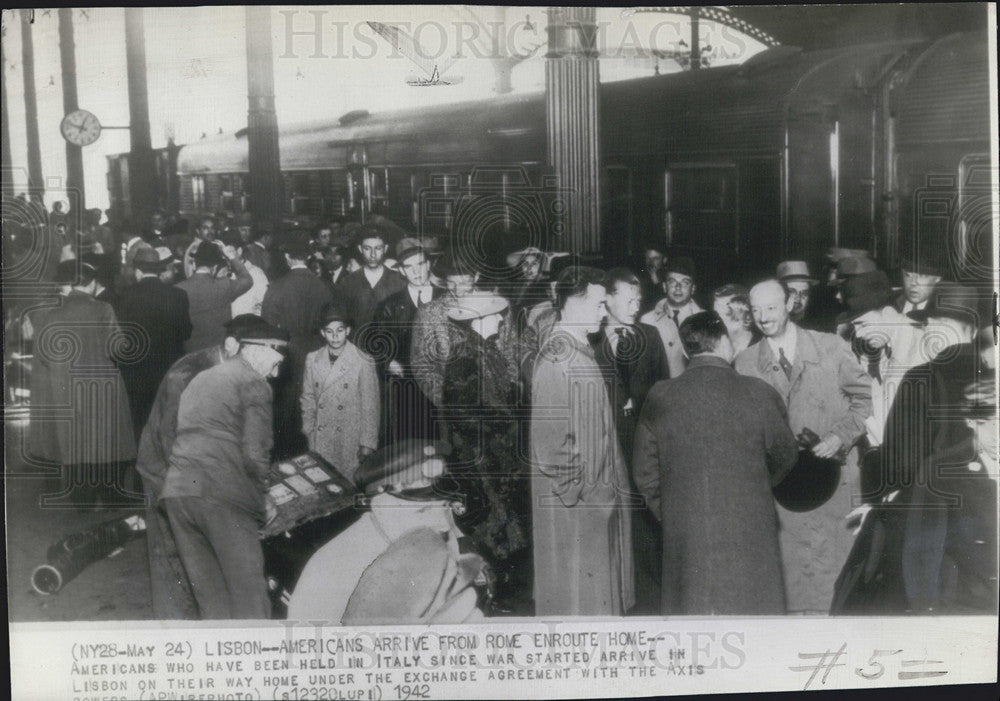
(780, 446)
(645, 453)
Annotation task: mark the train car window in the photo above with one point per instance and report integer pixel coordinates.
(700, 206)
(226, 193)
(198, 191)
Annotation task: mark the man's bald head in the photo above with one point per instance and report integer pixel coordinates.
(771, 306)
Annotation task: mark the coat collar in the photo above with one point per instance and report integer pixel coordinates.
(805, 350)
(708, 361)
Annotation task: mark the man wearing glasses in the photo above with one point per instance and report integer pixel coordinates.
(672, 310)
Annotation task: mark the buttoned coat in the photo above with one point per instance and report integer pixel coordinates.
(80, 412)
(581, 525)
(709, 446)
(827, 392)
(340, 406)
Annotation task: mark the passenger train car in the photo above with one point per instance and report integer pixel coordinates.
(883, 147)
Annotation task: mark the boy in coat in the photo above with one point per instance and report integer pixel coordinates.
(340, 397)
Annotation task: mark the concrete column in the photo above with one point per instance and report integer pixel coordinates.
(74, 154)
(36, 183)
(265, 184)
(572, 98)
(142, 169)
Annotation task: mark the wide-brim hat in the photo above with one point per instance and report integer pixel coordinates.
(852, 266)
(811, 483)
(452, 263)
(153, 260)
(407, 469)
(241, 324)
(966, 304)
(477, 306)
(864, 293)
(75, 272)
(791, 270)
(297, 246)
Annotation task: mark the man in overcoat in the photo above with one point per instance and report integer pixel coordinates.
(827, 392)
(160, 310)
(210, 297)
(340, 397)
(218, 476)
(581, 524)
(633, 359)
(709, 446)
(80, 415)
(169, 586)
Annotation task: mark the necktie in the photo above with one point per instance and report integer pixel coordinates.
(873, 368)
(677, 321)
(624, 354)
(783, 362)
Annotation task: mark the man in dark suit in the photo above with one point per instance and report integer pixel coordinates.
(258, 250)
(407, 411)
(294, 302)
(633, 359)
(365, 289)
(920, 277)
(709, 446)
(160, 311)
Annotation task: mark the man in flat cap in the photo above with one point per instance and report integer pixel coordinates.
(210, 296)
(218, 477)
(161, 311)
(169, 585)
(294, 302)
(401, 561)
(340, 397)
(78, 342)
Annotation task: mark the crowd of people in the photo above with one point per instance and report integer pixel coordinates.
(807, 444)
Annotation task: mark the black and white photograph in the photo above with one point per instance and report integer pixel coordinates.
(467, 351)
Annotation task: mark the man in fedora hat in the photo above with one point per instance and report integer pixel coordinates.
(410, 523)
(93, 442)
(407, 410)
(794, 274)
(169, 586)
(161, 311)
(210, 296)
(218, 474)
(921, 274)
(341, 407)
(828, 393)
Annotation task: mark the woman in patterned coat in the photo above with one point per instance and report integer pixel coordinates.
(480, 396)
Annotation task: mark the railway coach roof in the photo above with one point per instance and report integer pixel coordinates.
(745, 106)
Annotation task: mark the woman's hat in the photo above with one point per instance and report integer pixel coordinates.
(477, 306)
(864, 293)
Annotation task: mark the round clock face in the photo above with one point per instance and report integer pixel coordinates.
(80, 128)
